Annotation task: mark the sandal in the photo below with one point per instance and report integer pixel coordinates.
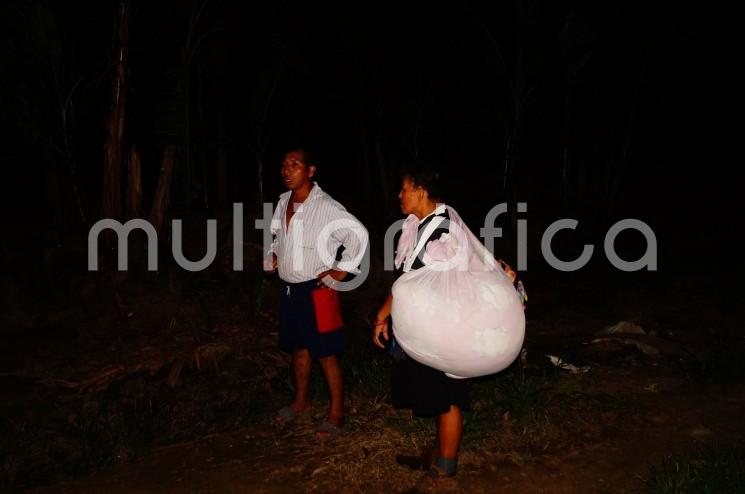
(287, 414)
(327, 430)
(443, 468)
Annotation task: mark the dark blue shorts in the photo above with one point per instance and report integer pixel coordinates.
(297, 322)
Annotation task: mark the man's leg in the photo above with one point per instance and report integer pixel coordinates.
(332, 373)
(301, 365)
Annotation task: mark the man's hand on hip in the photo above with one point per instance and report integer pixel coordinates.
(335, 276)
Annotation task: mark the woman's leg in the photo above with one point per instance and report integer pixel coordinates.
(450, 432)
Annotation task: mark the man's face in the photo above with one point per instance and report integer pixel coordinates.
(410, 196)
(295, 172)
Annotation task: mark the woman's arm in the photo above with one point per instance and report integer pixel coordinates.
(381, 322)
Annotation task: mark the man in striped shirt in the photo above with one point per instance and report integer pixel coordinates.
(309, 227)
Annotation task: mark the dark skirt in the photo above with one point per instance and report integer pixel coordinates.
(424, 390)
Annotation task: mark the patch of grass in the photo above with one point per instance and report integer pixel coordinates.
(263, 295)
(723, 364)
(410, 425)
(366, 377)
(485, 416)
(73, 435)
(706, 470)
(568, 386)
(523, 394)
(517, 393)
(368, 374)
(481, 426)
(589, 401)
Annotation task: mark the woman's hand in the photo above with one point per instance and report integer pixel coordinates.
(380, 329)
(381, 322)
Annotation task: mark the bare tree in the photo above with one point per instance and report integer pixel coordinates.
(111, 205)
(517, 96)
(162, 198)
(134, 183)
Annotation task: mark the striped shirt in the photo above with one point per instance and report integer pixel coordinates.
(308, 245)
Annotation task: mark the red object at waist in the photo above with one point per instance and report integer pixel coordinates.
(327, 309)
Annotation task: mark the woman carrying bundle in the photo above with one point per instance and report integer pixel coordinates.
(456, 314)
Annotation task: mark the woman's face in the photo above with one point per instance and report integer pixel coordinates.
(411, 197)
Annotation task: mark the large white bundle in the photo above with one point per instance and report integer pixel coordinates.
(459, 313)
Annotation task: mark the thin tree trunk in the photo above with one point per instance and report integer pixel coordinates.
(567, 133)
(581, 199)
(71, 168)
(111, 204)
(222, 178)
(261, 142)
(507, 161)
(76, 194)
(134, 183)
(53, 193)
(260, 152)
(186, 142)
(202, 158)
(618, 171)
(383, 174)
(365, 162)
(259, 182)
(162, 199)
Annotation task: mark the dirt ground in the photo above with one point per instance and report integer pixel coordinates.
(640, 396)
(610, 456)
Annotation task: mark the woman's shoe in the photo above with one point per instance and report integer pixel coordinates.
(422, 461)
(443, 467)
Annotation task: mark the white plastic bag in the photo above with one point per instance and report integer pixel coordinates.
(459, 313)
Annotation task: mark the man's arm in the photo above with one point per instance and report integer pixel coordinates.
(270, 257)
(355, 239)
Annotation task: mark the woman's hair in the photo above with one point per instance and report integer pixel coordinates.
(427, 178)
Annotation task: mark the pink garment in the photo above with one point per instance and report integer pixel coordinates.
(407, 240)
(460, 312)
